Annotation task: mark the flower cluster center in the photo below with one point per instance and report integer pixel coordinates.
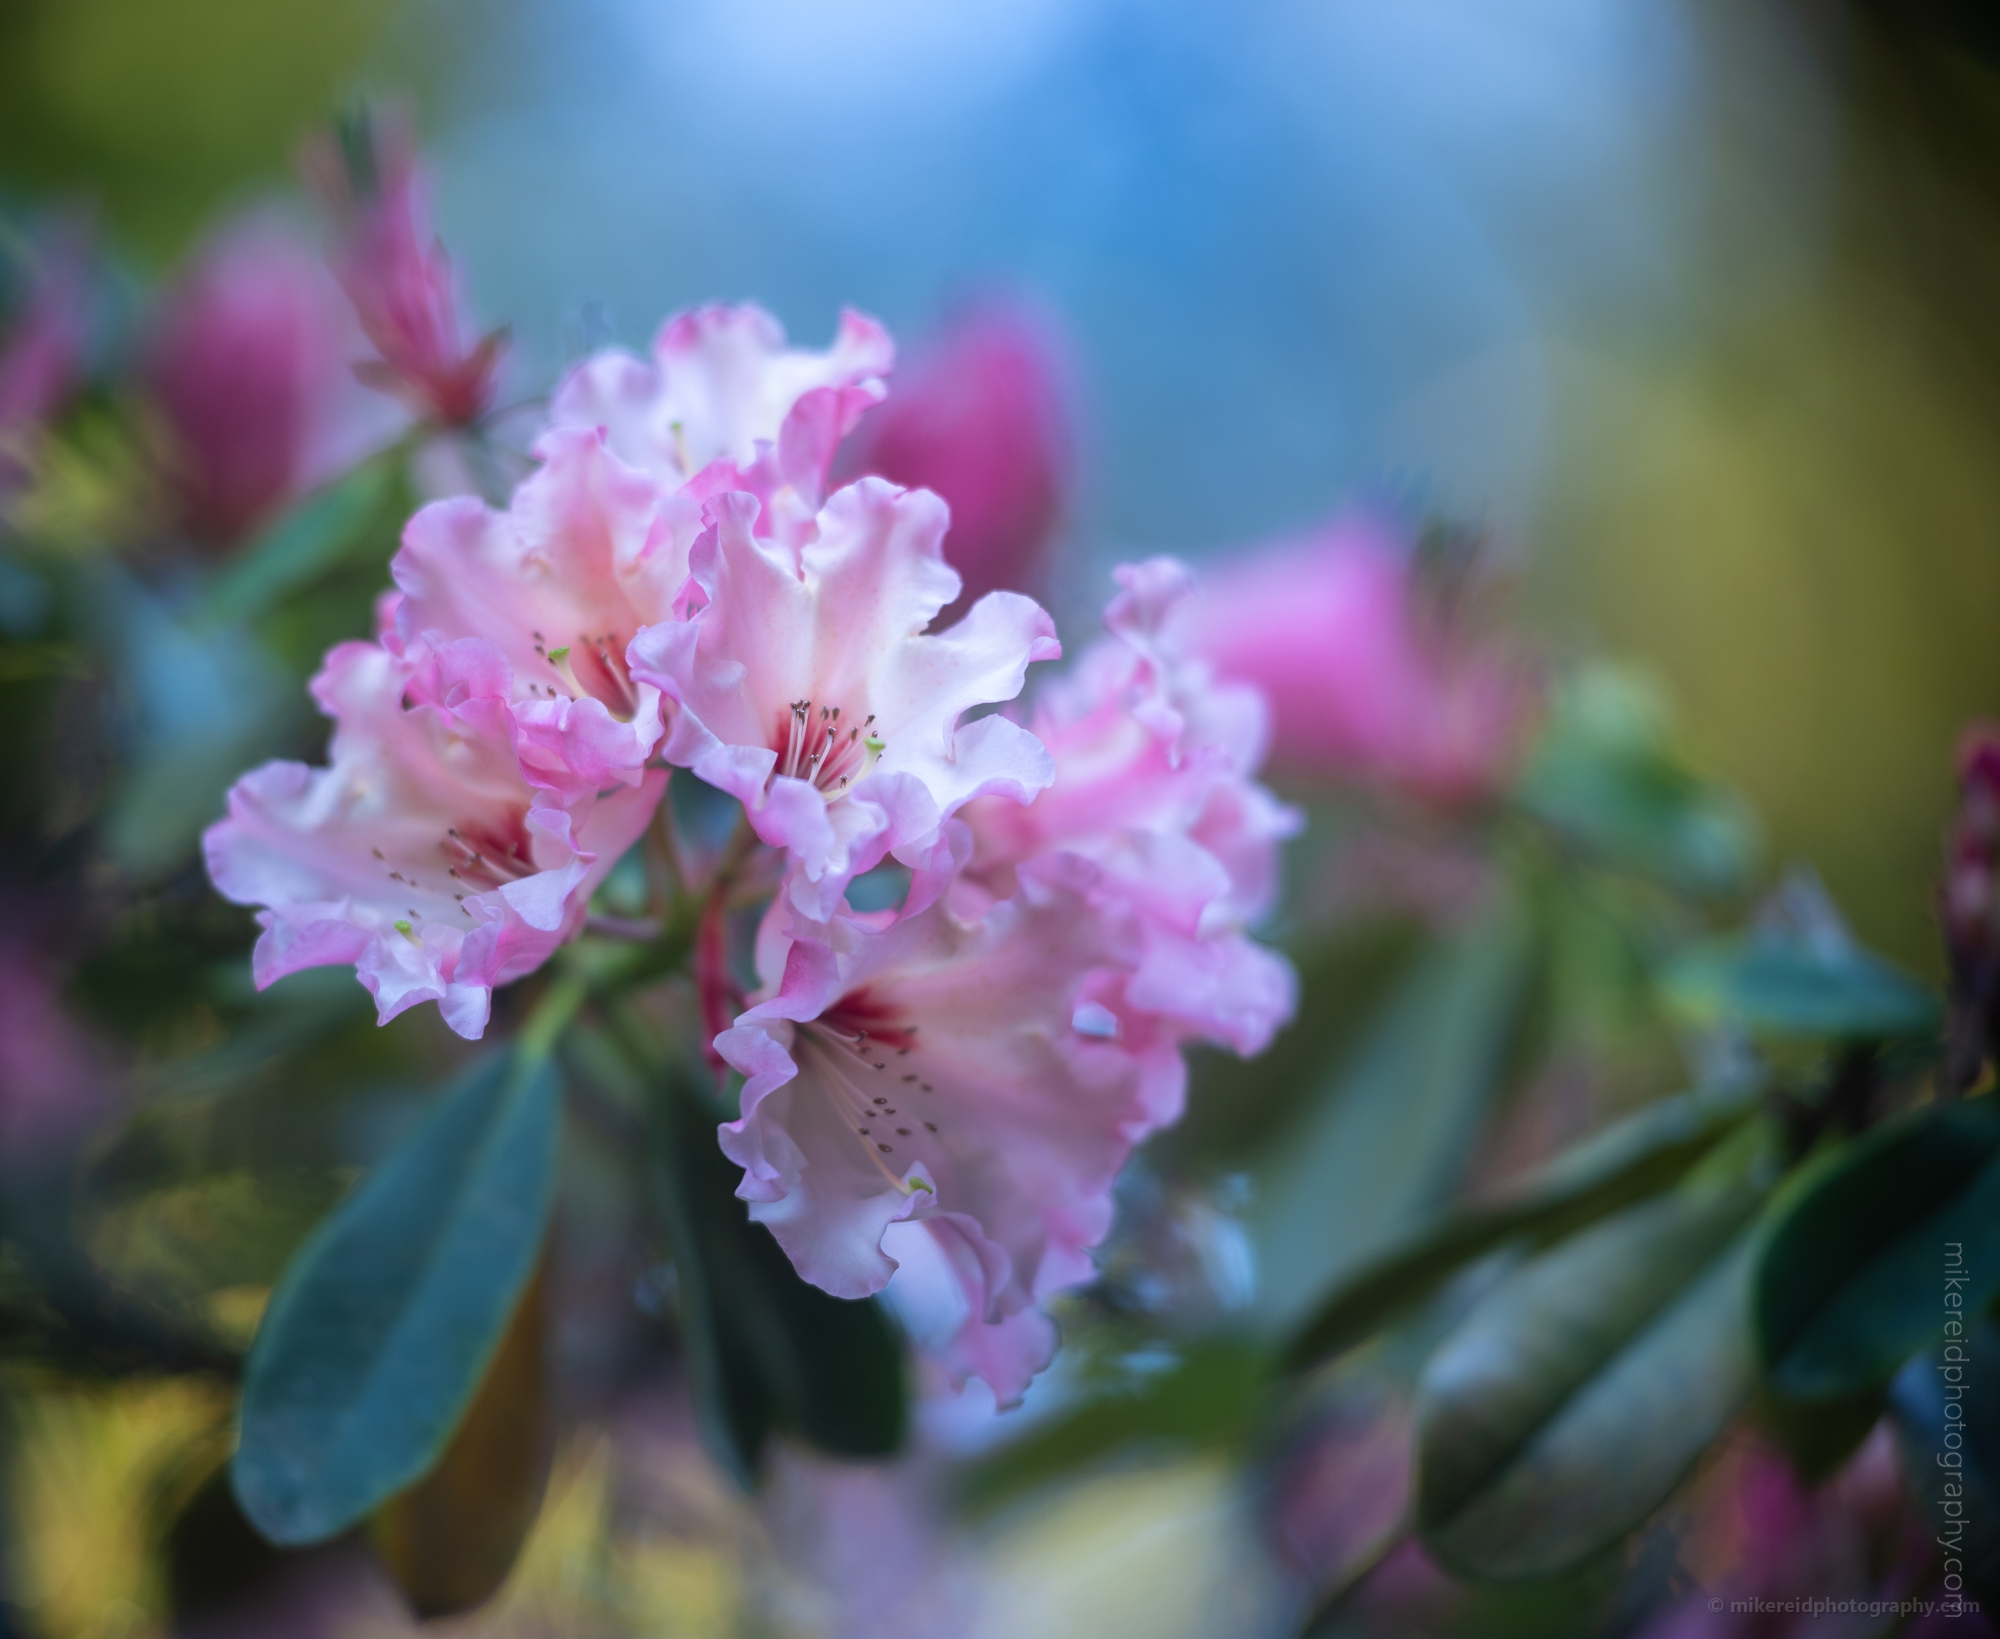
(814, 744)
(593, 667)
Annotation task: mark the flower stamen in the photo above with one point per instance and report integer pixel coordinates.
(821, 751)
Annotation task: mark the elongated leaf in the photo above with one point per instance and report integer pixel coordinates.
(1210, 1396)
(1786, 986)
(1570, 1403)
(1626, 1162)
(451, 1539)
(1875, 1246)
(765, 1351)
(1606, 778)
(306, 543)
(1386, 1139)
(384, 1325)
(1947, 1409)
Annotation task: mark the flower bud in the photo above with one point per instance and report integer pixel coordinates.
(1969, 906)
(980, 420)
(244, 359)
(1332, 629)
(41, 347)
(398, 278)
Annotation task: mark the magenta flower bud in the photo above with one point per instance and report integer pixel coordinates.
(1972, 908)
(42, 346)
(980, 419)
(1330, 628)
(397, 275)
(1969, 907)
(245, 359)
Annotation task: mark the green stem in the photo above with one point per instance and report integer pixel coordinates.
(551, 1016)
(604, 970)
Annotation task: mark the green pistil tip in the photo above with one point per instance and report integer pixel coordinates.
(403, 927)
(558, 656)
(875, 742)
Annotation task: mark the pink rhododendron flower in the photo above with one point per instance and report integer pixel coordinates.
(809, 689)
(396, 274)
(245, 359)
(1155, 765)
(726, 402)
(1328, 628)
(422, 855)
(957, 1095)
(537, 605)
(981, 421)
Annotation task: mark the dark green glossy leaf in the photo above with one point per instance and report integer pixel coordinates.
(1569, 1404)
(307, 542)
(1606, 778)
(1852, 1273)
(1818, 1435)
(1388, 1136)
(1947, 1409)
(1626, 1162)
(766, 1352)
(450, 1540)
(384, 1325)
(1783, 985)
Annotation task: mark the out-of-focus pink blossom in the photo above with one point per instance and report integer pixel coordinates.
(397, 275)
(52, 1080)
(42, 346)
(954, 1098)
(869, 1545)
(1330, 629)
(1341, 1489)
(537, 605)
(1155, 784)
(808, 688)
(980, 419)
(1969, 906)
(422, 855)
(726, 405)
(245, 359)
(1761, 1534)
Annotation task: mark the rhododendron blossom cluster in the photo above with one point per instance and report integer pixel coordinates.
(948, 1086)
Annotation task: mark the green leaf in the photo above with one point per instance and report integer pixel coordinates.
(1783, 985)
(1386, 1139)
(450, 1540)
(1947, 1409)
(1569, 1404)
(1626, 1162)
(309, 541)
(765, 1351)
(1606, 778)
(384, 1326)
(1211, 1395)
(1818, 1435)
(1852, 1274)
